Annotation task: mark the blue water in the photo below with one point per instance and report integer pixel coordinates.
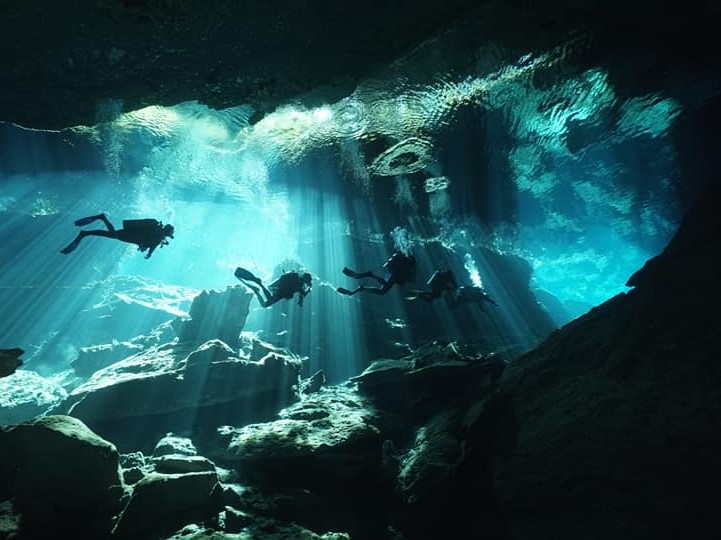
(574, 185)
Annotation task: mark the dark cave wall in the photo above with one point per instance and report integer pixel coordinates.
(223, 53)
(64, 62)
(616, 415)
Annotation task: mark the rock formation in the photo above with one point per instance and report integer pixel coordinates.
(10, 361)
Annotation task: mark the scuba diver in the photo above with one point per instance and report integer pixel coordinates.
(400, 269)
(282, 288)
(469, 294)
(147, 234)
(442, 282)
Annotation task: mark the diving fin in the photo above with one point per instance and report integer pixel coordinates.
(344, 291)
(86, 220)
(242, 273)
(71, 246)
(350, 273)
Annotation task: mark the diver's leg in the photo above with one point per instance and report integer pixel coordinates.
(88, 220)
(245, 275)
(267, 293)
(74, 244)
(271, 300)
(382, 281)
(107, 222)
(360, 275)
(104, 234)
(350, 273)
(257, 293)
(357, 275)
(347, 292)
(379, 290)
(82, 234)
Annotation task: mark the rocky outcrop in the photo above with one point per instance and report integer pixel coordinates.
(286, 50)
(616, 415)
(216, 315)
(95, 357)
(10, 361)
(162, 503)
(179, 388)
(60, 478)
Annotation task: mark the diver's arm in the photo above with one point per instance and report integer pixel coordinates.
(302, 294)
(150, 251)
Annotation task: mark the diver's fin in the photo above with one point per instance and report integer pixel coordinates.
(350, 273)
(87, 220)
(242, 273)
(345, 291)
(71, 246)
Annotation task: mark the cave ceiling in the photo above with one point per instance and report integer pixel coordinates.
(62, 59)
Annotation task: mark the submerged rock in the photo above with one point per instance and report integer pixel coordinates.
(181, 389)
(161, 503)
(63, 478)
(436, 375)
(326, 437)
(216, 315)
(616, 416)
(10, 361)
(174, 445)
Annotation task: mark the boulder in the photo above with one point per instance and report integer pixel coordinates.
(63, 478)
(10, 361)
(434, 376)
(162, 503)
(174, 445)
(216, 315)
(181, 389)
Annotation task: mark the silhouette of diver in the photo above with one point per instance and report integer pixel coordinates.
(469, 294)
(282, 288)
(147, 234)
(400, 269)
(442, 282)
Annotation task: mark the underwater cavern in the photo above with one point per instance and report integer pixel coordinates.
(359, 270)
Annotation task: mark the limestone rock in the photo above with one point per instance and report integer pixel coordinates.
(63, 477)
(174, 464)
(161, 503)
(181, 389)
(174, 445)
(216, 315)
(323, 440)
(10, 361)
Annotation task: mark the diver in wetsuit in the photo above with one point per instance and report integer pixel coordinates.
(282, 288)
(147, 234)
(400, 269)
(469, 294)
(442, 282)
